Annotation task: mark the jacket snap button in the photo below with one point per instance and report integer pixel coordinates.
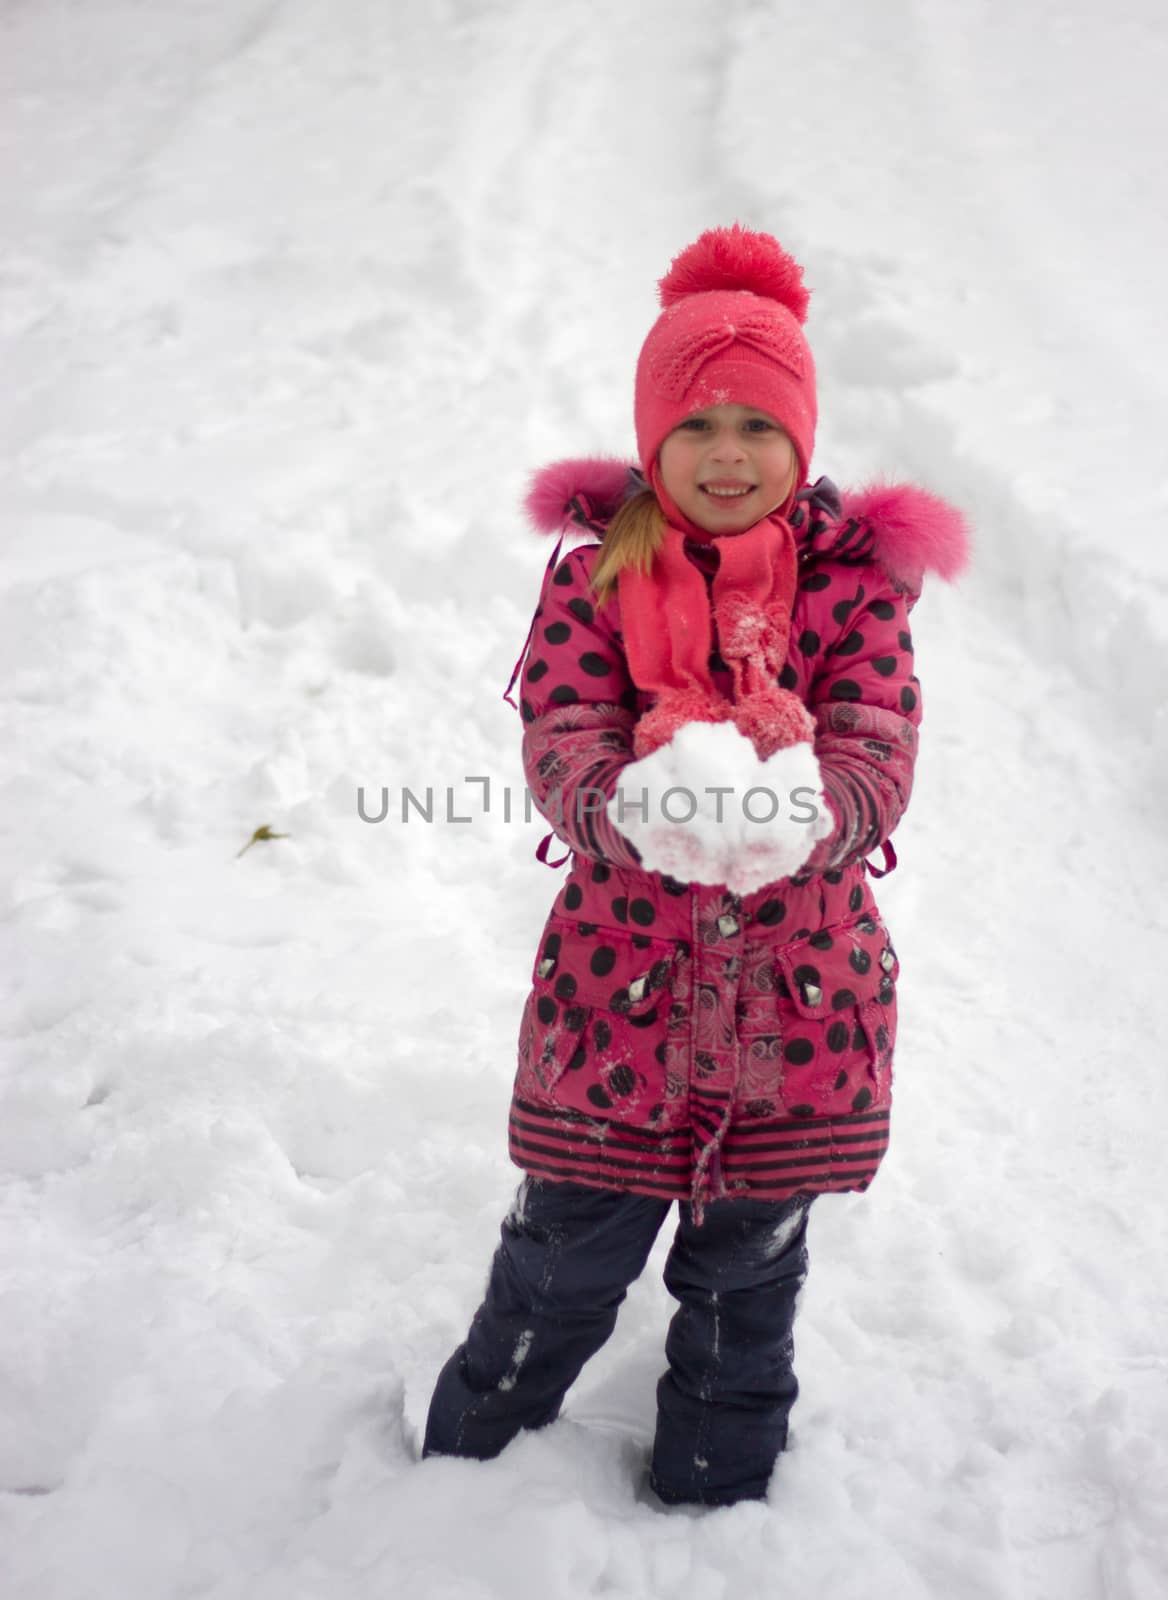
(637, 990)
(727, 926)
(812, 994)
(887, 960)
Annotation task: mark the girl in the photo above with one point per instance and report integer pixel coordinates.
(720, 716)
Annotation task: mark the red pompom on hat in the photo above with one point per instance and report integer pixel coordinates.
(735, 258)
(731, 333)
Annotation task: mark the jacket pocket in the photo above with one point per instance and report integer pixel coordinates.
(821, 1024)
(598, 1028)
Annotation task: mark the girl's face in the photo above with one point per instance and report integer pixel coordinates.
(728, 467)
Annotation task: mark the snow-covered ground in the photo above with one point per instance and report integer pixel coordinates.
(293, 295)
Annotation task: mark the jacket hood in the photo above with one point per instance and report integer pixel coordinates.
(908, 530)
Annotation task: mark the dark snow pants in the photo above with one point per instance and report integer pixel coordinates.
(566, 1257)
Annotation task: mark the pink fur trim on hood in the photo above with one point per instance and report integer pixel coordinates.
(913, 530)
(602, 480)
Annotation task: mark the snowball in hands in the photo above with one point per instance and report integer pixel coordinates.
(712, 828)
(773, 849)
(662, 805)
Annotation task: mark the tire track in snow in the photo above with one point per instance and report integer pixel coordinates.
(601, 165)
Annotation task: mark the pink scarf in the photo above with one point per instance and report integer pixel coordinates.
(669, 633)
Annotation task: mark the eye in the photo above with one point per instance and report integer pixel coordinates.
(693, 425)
(759, 425)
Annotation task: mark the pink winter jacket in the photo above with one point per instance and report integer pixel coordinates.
(683, 1041)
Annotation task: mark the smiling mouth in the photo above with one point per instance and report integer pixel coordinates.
(735, 493)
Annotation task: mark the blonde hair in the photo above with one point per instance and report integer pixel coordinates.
(634, 536)
(633, 539)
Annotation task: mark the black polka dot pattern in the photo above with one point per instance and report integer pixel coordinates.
(628, 1041)
(850, 645)
(576, 664)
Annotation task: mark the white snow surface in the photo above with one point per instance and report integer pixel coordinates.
(293, 296)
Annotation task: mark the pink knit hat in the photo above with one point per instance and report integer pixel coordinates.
(731, 333)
